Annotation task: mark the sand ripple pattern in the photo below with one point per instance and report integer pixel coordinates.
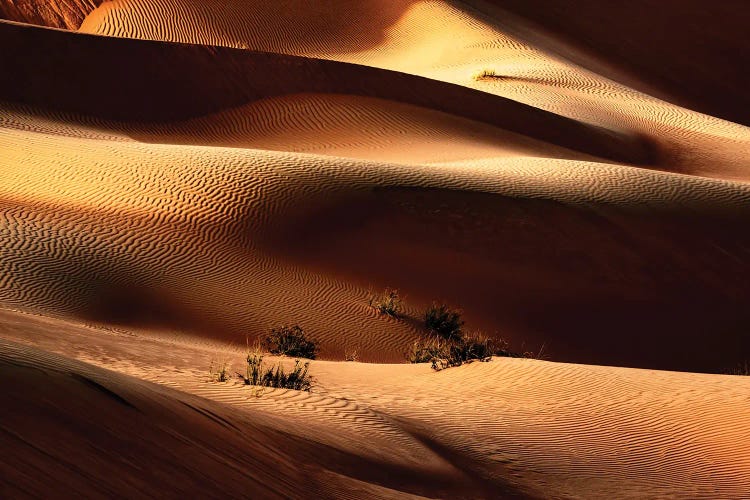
(196, 238)
(541, 428)
(409, 36)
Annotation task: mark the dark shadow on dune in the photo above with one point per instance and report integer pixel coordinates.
(149, 81)
(689, 52)
(657, 287)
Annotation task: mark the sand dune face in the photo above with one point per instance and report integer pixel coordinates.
(509, 428)
(98, 433)
(532, 67)
(56, 14)
(178, 177)
(621, 43)
(222, 78)
(277, 238)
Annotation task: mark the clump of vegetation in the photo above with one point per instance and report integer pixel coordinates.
(258, 374)
(444, 321)
(426, 350)
(445, 353)
(389, 302)
(290, 341)
(351, 355)
(486, 73)
(219, 372)
(447, 345)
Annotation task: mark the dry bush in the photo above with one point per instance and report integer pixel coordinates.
(258, 374)
(441, 320)
(389, 302)
(445, 353)
(290, 341)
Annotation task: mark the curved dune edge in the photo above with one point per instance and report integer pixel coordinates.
(528, 64)
(348, 126)
(226, 243)
(510, 427)
(187, 81)
(96, 432)
(679, 54)
(66, 14)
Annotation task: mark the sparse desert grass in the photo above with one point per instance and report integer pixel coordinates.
(290, 341)
(351, 355)
(443, 321)
(445, 353)
(486, 73)
(218, 372)
(389, 302)
(258, 374)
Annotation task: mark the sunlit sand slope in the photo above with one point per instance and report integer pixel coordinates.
(155, 81)
(507, 428)
(684, 60)
(230, 242)
(328, 124)
(68, 14)
(685, 51)
(75, 429)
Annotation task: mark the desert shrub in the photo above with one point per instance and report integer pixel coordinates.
(444, 321)
(351, 355)
(486, 73)
(389, 302)
(427, 349)
(258, 374)
(218, 372)
(445, 353)
(290, 341)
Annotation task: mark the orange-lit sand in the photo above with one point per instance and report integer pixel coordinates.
(162, 204)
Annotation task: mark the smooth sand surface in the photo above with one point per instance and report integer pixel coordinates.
(178, 177)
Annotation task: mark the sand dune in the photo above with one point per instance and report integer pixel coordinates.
(178, 177)
(507, 428)
(68, 14)
(147, 234)
(532, 66)
(190, 81)
(702, 44)
(76, 429)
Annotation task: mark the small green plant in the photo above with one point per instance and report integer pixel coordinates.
(290, 341)
(443, 321)
(389, 302)
(257, 374)
(219, 372)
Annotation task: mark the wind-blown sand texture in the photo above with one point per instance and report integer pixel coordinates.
(177, 177)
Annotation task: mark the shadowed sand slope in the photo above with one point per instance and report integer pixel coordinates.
(523, 62)
(230, 242)
(178, 177)
(507, 428)
(81, 73)
(75, 429)
(688, 52)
